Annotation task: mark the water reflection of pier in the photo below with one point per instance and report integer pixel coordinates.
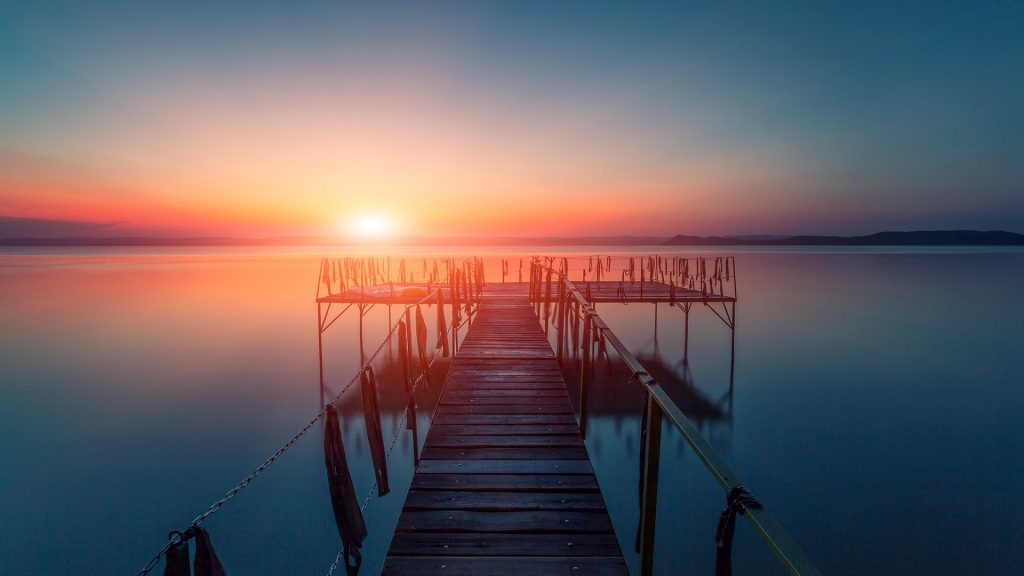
(610, 398)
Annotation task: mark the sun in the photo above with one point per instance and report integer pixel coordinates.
(371, 226)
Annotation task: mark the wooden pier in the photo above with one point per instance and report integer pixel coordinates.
(504, 485)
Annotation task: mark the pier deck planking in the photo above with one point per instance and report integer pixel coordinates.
(504, 484)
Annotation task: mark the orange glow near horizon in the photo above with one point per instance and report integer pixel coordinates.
(429, 162)
(485, 122)
(421, 159)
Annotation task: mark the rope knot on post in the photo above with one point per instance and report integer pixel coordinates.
(739, 500)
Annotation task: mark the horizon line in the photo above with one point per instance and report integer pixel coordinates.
(913, 237)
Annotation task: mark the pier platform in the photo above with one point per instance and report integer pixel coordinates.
(600, 291)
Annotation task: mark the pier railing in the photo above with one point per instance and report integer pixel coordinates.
(552, 287)
(712, 277)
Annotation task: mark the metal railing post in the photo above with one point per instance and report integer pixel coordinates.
(320, 350)
(585, 371)
(649, 500)
(560, 312)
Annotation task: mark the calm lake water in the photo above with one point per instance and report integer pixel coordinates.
(878, 410)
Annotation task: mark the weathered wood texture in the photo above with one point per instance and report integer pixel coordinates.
(504, 485)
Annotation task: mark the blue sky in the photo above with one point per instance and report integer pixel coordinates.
(663, 118)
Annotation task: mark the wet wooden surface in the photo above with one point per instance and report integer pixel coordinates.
(505, 485)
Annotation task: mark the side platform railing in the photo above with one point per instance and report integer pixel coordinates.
(552, 287)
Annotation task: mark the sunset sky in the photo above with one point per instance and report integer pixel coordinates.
(513, 119)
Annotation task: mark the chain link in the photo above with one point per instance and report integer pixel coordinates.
(152, 563)
(337, 560)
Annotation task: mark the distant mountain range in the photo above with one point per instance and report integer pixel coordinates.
(918, 238)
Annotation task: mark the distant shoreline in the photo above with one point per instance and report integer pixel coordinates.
(915, 238)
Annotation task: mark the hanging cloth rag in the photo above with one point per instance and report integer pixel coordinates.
(207, 563)
(176, 558)
(347, 515)
(421, 344)
(442, 324)
(405, 351)
(371, 412)
(453, 281)
(326, 276)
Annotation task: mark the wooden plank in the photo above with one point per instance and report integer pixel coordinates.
(506, 482)
(506, 385)
(488, 352)
(488, 544)
(512, 409)
(510, 374)
(470, 384)
(534, 522)
(505, 467)
(477, 441)
(501, 337)
(508, 419)
(495, 366)
(496, 429)
(498, 501)
(503, 566)
(525, 339)
(507, 343)
(529, 400)
(464, 393)
(505, 453)
(476, 378)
